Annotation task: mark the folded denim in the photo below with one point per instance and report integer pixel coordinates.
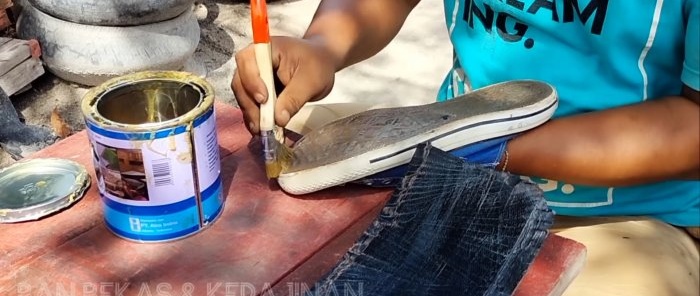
(450, 228)
(486, 153)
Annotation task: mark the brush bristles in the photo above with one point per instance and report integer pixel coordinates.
(284, 158)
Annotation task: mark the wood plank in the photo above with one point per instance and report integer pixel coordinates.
(264, 238)
(12, 53)
(25, 88)
(557, 264)
(57, 229)
(303, 277)
(262, 234)
(554, 268)
(21, 76)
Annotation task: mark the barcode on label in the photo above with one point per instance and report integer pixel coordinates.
(162, 172)
(212, 151)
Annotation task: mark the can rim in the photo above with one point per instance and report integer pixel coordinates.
(92, 97)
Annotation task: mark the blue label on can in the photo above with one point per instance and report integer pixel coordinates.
(147, 179)
(166, 222)
(153, 228)
(212, 203)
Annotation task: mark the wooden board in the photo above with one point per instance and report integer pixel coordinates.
(21, 76)
(261, 236)
(12, 53)
(266, 241)
(19, 64)
(559, 262)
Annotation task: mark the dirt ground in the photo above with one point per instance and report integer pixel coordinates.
(407, 72)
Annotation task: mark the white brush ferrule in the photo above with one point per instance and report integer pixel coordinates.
(263, 56)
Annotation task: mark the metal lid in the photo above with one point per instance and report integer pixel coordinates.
(35, 188)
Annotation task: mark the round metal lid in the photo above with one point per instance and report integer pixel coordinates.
(35, 188)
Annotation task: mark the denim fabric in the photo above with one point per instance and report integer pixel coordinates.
(487, 153)
(450, 228)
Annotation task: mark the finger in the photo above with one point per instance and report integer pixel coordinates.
(250, 109)
(247, 68)
(296, 93)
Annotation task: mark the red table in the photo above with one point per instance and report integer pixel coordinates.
(265, 242)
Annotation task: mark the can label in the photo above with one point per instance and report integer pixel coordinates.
(147, 179)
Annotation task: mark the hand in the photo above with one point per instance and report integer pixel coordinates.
(305, 68)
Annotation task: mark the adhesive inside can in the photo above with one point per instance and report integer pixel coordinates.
(155, 151)
(151, 101)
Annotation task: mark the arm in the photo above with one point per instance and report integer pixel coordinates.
(353, 31)
(652, 141)
(342, 32)
(656, 140)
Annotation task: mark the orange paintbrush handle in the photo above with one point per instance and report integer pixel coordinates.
(258, 14)
(263, 57)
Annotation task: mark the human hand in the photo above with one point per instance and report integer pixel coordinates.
(305, 68)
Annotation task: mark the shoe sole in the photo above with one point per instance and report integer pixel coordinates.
(363, 144)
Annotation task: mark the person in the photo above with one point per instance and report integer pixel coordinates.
(619, 161)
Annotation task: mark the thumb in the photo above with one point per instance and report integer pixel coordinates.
(292, 98)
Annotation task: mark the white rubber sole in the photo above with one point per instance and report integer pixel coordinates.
(446, 137)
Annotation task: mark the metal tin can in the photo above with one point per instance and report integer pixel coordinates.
(156, 154)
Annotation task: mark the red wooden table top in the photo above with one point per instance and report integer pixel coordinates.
(265, 240)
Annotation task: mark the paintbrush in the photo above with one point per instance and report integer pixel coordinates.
(275, 152)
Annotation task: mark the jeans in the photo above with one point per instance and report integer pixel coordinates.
(450, 228)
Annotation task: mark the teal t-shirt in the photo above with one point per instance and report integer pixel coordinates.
(599, 54)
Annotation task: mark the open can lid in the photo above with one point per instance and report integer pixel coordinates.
(34, 188)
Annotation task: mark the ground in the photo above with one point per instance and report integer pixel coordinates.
(408, 71)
